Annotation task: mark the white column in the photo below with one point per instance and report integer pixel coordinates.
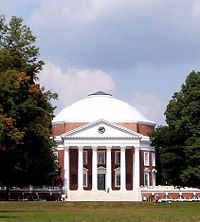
(136, 173)
(94, 168)
(123, 169)
(66, 169)
(108, 168)
(80, 168)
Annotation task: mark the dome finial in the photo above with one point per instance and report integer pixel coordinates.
(100, 93)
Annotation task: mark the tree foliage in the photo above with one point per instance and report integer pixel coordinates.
(178, 143)
(26, 156)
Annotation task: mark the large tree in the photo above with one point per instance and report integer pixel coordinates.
(178, 143)
(26, 156)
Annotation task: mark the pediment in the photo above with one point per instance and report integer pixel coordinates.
(101, 129)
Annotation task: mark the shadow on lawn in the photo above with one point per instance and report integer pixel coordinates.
(19, 211)
(8, 217)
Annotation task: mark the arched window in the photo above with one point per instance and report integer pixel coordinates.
(154, 171)
(167, 197)
(180, 197)
(194, 197)
(146, 177)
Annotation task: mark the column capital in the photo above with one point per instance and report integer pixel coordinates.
(137, 149)
(108, 148)
(66, 148)
(80, 148)
(95, 148)
(122, 148)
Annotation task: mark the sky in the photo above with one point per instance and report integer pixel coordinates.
(140, 51)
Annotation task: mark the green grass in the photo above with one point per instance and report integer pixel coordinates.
(99, 211)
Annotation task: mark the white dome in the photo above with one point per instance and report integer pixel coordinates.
(100, 106)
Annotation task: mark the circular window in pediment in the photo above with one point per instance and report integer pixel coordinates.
(101, 130)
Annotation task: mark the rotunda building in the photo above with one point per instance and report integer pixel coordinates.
(103, 149)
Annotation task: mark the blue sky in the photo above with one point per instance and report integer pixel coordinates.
(139, 50)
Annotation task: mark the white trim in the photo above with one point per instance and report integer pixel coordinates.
(146, 162)
(147, 149)
(101, 170)
(117, 151)
(98, 152)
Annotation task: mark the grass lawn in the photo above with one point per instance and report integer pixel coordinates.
(99, 211)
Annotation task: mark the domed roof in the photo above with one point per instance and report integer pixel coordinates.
(100, 105)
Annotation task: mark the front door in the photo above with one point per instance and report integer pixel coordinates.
(101, 181)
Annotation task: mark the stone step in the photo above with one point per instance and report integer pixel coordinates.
(91, 195)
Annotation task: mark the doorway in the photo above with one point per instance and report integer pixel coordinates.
(101, 181)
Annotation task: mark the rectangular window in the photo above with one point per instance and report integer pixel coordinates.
(56, 155)
(117, 157)
(146, 158)
(153, 179)
(117, 179)
(85, 179)
(101, 157)
(153, 159)
(146, 179)
(85, 157)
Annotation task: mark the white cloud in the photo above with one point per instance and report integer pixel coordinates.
(85, 11)
(195, 10)
(150, 106)
(74, 84)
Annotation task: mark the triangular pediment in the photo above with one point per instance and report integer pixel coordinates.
(101, 129)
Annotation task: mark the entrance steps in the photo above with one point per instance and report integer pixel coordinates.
(101, 195)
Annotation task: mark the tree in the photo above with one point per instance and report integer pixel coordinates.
(178, 143)
(26, 145)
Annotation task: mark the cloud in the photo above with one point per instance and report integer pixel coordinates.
(74, 84)
(150, 106)
(116, 34)
(85, 11)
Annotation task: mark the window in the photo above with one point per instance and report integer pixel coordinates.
(154, 171)
(194, 197)
(166, 197)
(101, 157)
(85, 178)
(85, 157)
(117, 179)
(117, 157)
(180, 197)
(56, 155)
(153, 159)
(146, 179)
(146, 158)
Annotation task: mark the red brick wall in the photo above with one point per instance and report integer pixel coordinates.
(131, 126)
(73, 157)
(89, 167)
(129, 169)
(59, 129)
(144, 129)
(173, 195)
